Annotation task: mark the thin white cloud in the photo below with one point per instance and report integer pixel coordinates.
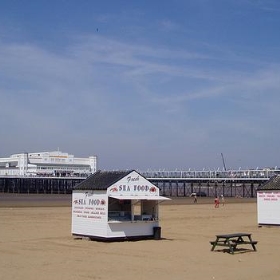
(32, 63)
(97, 84)
(266, 5)
(168, 25)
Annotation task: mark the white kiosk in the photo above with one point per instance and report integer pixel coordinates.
(112, 205)
(268, 201)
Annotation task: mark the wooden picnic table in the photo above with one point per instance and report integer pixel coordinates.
(233, 240)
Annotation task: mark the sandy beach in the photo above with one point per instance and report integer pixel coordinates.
(36, 243)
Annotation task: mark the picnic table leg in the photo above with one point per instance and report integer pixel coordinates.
(214, 245)
(231, 247)
(252, 243)
(240, 239)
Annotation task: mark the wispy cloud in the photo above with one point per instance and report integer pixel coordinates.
(168, 25)
(266, 5)
(85, 64)
(97, 85)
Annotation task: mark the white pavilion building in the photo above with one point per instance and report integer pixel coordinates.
(54, 163)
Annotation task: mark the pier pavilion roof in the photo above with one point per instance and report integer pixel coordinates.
(101, 180)
(272, 184)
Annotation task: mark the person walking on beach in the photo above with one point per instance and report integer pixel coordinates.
(195, 199)
(216, 202)
(222, 200)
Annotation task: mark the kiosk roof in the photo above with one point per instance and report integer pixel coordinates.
(272, 184)
(101, 180)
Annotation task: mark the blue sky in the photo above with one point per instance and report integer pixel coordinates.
(142, 84)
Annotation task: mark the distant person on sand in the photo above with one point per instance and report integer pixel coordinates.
(195, 199)
(222, 200)
(217, 202)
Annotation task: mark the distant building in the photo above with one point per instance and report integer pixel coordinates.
(55, 163)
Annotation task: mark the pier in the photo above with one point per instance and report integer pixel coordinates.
(231, 183)
(38, 185)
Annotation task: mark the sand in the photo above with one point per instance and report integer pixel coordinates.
(36, 243)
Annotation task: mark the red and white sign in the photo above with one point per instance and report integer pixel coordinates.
(133, 185)
(268, 207)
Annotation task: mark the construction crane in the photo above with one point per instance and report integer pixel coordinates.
(224, 162)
